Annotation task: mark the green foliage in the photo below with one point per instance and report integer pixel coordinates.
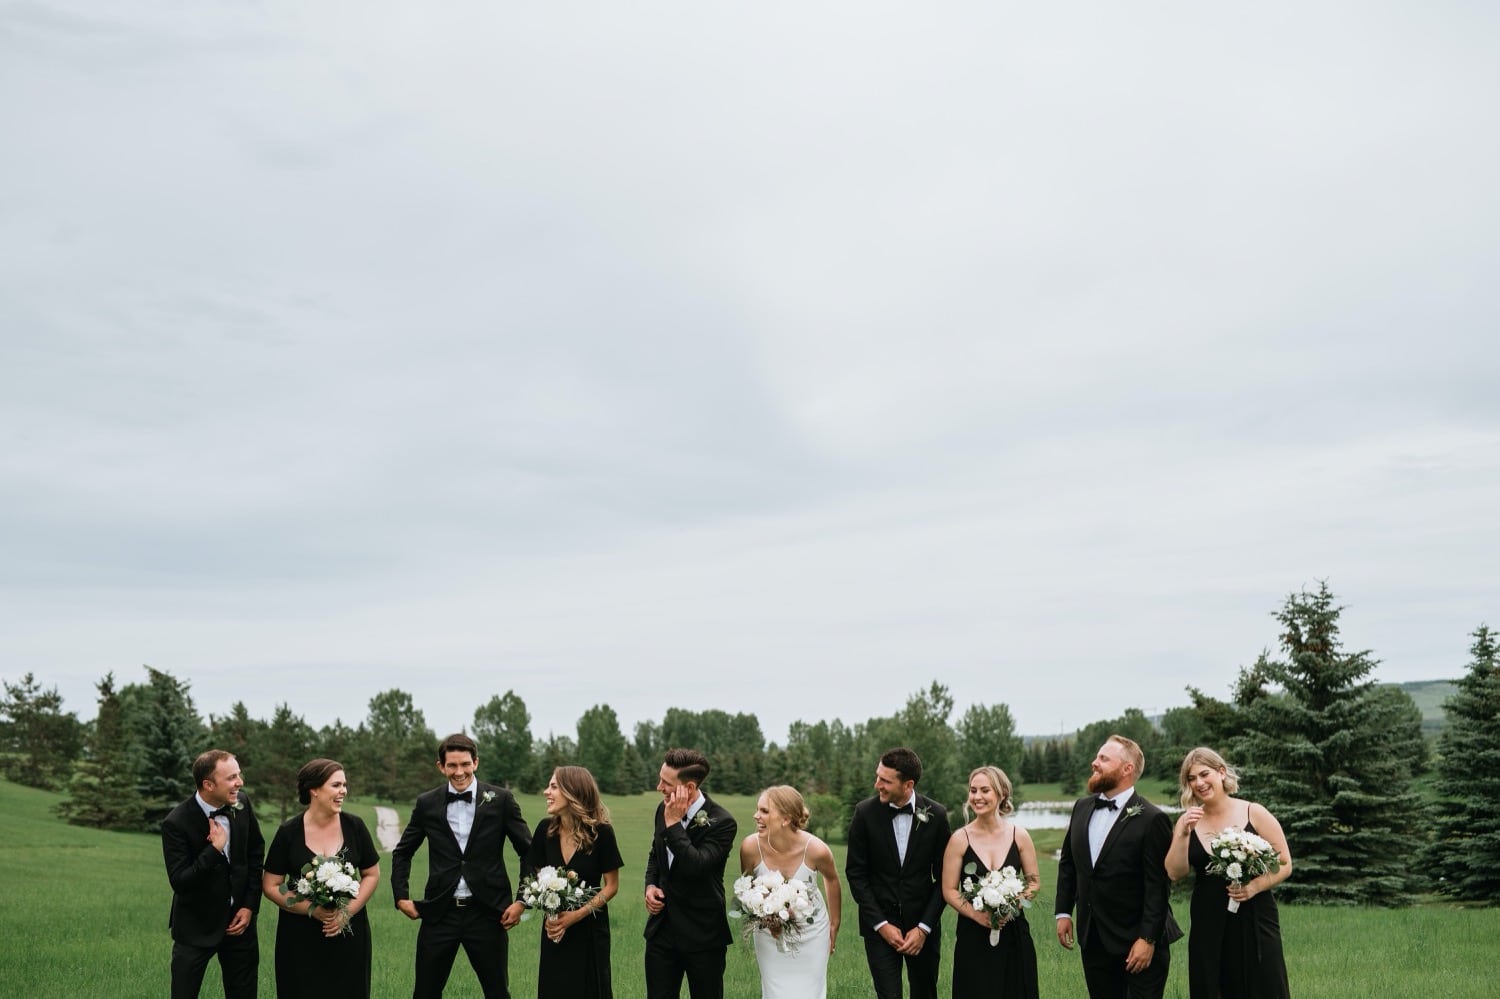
(1464, 856)
(38, 740)
(922, 725)
(394, 752)
(601, 747)
(826, 817)
(502, 729)
(165, 735)
(102, 791)
(987, 735)
(278, 750)
(1331, 756)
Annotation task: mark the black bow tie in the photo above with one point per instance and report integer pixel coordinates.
(221, 811)
(461, 796)
(1105, 803)
(907, 809)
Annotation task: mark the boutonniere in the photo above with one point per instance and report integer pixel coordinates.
(701, 819)
(236, 804)
(487, 797)
(922, 814)
(1132, 812)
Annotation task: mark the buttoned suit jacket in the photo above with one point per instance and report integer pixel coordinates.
(203, 881)
(887, 889)
(694, 917)
(1125, 895)
(481, 864)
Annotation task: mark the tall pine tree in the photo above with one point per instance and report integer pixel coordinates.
(102, 792)
(1464, 856)
(1331, 755)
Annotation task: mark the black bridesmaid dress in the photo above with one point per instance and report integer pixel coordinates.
(578, 966)
(1233, 955)
(1006, 970)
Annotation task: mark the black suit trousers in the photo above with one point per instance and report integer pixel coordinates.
(1107, 978)
(886, 964)
(239, 964)
(666, 966)
(477, 929)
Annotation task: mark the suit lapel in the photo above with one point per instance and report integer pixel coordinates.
(1117, 830)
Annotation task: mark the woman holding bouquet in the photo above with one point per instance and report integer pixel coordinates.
(990, 842)
(321, 950)
(576, 835)
(797, 967)
(1234, 954)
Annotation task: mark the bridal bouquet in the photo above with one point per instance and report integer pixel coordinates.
(777, 905)
(1241, 856)
(555, 890)
(1000, 893)
(328, 882)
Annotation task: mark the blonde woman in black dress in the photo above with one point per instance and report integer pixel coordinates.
(1233, 955)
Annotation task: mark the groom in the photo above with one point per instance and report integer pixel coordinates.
(686, 929)
(213, 851)
(895, 872)
(1112, 866)
(467, 899)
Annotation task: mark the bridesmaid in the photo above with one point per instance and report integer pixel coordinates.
(576, 834)
(321, 952)
(1234, 955)
(987, 843)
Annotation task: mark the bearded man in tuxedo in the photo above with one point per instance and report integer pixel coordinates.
(214, 853)
(1113, 868)
(467, 902)
(895, 871)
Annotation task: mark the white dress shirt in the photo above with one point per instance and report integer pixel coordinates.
(461, 821)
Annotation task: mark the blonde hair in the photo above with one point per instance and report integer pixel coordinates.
(583, 813)
(787, 800)
(1207, 757)
(1133, 754)
(1000, 783)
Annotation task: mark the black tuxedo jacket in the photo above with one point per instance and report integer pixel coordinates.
(1125, 895)
(203, 882)
(887, 890)
(497, 817)
(694, 917)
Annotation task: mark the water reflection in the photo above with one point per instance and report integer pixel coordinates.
(1054, 814)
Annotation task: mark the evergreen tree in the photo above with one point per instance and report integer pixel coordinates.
(1464, 856)
(394, 752)
(1330, 755)
(38, 740)
(166, 735)
(234, 733)
(279, 750)
(102, 792)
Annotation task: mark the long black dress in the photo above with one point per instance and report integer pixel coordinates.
(1007, 969)
(578, 966)
(1233, 955)
(308, 963)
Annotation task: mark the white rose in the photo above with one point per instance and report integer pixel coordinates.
(1233, 872)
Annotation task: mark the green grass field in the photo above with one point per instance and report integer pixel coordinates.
(84, 913)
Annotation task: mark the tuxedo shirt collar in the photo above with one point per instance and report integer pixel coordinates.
(695, 807)
(1121, 799)
(208, 809)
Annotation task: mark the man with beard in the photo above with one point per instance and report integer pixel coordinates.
(1112, 866)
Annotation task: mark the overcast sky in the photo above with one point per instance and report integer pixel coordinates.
(773, 357)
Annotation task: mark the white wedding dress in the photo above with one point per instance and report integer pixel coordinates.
(800, 973)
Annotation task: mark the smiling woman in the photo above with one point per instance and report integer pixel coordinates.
(322, 950)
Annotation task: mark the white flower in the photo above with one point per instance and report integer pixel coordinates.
(1234, 872)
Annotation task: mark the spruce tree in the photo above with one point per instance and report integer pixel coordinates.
(102, 792)
(1330, 755)
(1464, 857)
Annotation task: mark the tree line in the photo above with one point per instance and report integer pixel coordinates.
(1333, 754)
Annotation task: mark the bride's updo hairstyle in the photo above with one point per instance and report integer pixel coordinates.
(787, 800)
(313, 775)
(1204, 757)
(1000, 783)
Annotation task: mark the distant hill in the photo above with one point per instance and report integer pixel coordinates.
(1430, 695)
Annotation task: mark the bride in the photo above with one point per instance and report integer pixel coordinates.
(782, 844)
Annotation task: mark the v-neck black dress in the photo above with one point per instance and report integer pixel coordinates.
(578, 966)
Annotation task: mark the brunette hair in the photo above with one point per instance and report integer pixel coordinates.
(206, 765)
(457, 743)
(583, 812)
(904, 761)
(690, 764)
(314, 774)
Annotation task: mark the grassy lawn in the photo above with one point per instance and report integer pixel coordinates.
(85, 914)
